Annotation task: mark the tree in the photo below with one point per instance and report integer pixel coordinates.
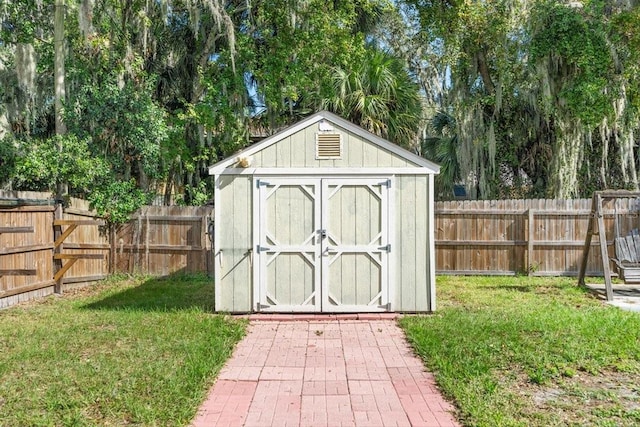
(443, 149)
(59, 78)
(543, 93)
(380, 96)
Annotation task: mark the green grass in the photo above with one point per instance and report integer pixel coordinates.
(137, 351)
(523, 351)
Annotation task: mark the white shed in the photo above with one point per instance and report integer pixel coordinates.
(324, 216)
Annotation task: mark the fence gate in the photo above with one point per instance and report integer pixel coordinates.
(322, 244)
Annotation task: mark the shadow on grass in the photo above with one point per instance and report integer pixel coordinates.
(538, 288)
(521, 288)
(177, 291)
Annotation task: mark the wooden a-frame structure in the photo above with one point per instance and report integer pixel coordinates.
(597, 217)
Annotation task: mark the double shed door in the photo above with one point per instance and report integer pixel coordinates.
(322, 244)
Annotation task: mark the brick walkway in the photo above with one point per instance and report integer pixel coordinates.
(324, 373)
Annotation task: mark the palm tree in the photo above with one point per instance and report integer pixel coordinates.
(380, 96)
(443, 149)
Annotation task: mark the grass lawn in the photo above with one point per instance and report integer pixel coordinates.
(520, 351)
(124, 352)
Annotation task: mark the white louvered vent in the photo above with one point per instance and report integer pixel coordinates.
(328, 145)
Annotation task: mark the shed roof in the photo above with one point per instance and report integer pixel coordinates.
(338, 121)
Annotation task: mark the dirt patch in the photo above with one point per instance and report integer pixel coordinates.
(583, 399)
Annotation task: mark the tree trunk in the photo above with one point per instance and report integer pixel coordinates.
(58, 43)
(59, 84)
(483, 69)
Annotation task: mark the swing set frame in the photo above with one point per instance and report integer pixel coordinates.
(596, 226)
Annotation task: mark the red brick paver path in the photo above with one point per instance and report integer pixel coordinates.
(314, 373)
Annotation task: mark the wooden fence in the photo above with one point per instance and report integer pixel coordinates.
(45, 248)
(26, 250)
(165, 239)
(536, 237)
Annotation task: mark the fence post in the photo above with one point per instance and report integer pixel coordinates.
(203, 238)
(57, 263)
(530, 237)
(604, 253)
(587, 243)
(112, 248)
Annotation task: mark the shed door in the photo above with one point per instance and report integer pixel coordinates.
(322, 244)
(355, 249)
(289, 245)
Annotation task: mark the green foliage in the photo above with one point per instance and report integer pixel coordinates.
(24, 20)
(443, 150)
(124, 123)
(379, 95)
(160, 90)
(115, 201)
(577, 42)
(195, 195)
(624, 33)
(545, 94)
(290, 50)
(42, 164)
(8, 156)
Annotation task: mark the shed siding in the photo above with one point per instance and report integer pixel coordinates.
(411, 258)
(299, 150)
(235, 243)
(410, 253)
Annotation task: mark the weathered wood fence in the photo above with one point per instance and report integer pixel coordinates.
(45, 248)
(536, 237)
(164, 239)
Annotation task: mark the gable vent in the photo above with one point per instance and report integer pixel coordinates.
(328, 145)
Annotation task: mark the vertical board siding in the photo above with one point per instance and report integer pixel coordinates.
(226, 248)
(299, 150)
(411, 250)
(236, 242)
(422, 243)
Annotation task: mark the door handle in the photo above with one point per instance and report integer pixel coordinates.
(323, 233)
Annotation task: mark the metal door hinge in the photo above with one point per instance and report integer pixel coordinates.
(262, 249)
(260, 306)
(386, 183)
(260, 182)
(386, 247)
